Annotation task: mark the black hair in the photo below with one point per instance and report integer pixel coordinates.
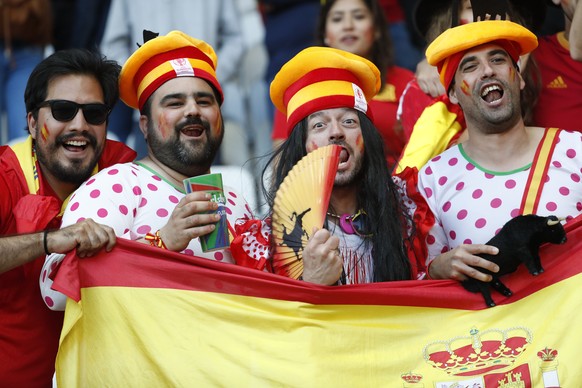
(382, 49)
(72, 62)
(377, 196)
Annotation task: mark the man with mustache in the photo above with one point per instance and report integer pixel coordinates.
(324, 93)
(505, 168)
(171, 79)
(68, 98)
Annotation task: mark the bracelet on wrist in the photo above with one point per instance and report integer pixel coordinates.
(155, 240)
(428, 277)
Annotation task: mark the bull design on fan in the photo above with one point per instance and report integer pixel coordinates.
(296, 234)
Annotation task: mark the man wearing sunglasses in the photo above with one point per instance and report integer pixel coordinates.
(68, 98)
(171, 79)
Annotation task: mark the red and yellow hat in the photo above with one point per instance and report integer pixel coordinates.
(161, 59)
(447, 50)
(324, 78)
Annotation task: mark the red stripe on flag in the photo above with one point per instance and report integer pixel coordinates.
(133, 264)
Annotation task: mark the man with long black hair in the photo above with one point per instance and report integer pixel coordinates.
(324, 93)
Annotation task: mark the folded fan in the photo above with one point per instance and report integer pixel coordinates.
(300, 205)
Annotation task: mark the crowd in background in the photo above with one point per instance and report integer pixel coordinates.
(254, 38)
(491, 96)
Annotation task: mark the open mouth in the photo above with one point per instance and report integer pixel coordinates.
(349, 39)
(344, 156)
(76, 145)
(492, 93)
(193, 130)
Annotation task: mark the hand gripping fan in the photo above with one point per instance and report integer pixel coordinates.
(300, 204)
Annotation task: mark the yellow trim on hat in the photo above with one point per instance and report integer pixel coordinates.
(161, 45)
(167, 67)
(443, 70)
(313, 58)
(318, 90)
(467, 36)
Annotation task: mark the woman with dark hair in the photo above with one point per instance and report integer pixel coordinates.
(359, 27)
(324, 94)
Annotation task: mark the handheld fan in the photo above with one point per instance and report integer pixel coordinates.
(300, 204)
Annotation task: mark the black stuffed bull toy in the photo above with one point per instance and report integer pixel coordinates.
(518, 241)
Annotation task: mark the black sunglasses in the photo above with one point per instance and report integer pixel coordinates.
(65, 110)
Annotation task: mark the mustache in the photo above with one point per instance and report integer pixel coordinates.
(193, 121)
(342, 144)
(92, 140)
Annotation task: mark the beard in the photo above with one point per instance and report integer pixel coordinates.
(188, 157)
(67, 170)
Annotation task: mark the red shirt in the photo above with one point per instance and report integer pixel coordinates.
(560, 100)
(30, 331)
(392, 10)
(412, 104)
(383, 107)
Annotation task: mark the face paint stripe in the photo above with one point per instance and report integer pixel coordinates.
(44, 133)
(465, 88)
(163, 126)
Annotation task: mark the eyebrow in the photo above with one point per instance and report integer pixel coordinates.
(320, 113)
(183, 95)
(489, 54)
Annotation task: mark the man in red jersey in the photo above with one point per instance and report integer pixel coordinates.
(68, 99)
(559, 58)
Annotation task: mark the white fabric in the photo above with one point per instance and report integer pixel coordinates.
(471, 204)
(134, 202)
(358, 264)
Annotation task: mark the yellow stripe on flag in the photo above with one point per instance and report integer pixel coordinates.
(202, 323)
(23, 151)
(433, 131)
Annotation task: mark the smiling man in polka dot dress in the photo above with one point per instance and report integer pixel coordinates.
(475, 187)
(171, 79)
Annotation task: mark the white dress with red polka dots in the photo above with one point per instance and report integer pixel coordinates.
(134, 201)
(471, 204)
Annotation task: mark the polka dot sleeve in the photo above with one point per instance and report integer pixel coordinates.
(133, 202)
(53, 299)
(108, 198)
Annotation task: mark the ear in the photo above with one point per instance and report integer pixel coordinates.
(143, 126)
(453, 96)
(32, 125)
(326, 41)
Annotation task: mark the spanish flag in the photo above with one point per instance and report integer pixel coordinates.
(439, 126)
(143, 317)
